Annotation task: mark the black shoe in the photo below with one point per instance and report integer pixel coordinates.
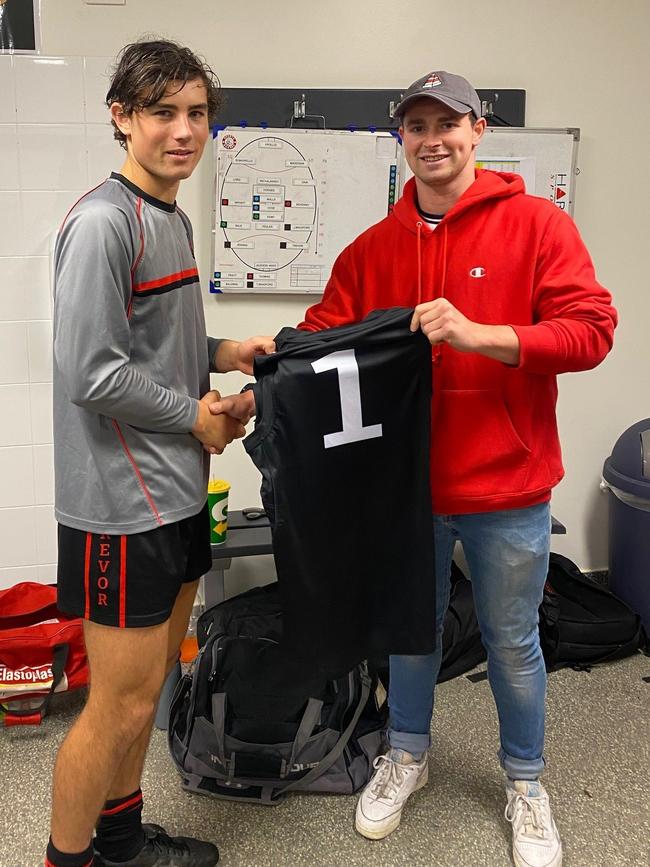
(161, 850)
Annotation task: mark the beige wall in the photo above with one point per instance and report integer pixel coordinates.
(582, 63)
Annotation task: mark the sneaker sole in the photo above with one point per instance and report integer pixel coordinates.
(371, 831)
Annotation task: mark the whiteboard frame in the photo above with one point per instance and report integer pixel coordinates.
(393, 187)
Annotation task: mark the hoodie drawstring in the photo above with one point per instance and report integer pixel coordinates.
(436, 351)
(418, 227)
(444, 260)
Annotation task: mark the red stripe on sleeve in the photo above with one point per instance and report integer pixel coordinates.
(138, 474)
(138, 259)
(138, 211)
(89, 542)
(164, 281)
(75, 205)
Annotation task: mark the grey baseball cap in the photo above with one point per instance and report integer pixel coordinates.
(454, 91)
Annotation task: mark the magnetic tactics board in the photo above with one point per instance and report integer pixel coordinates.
(287, 201)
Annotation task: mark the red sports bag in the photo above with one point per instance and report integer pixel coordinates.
(41, 652)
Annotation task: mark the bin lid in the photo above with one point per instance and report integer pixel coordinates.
(628, 466)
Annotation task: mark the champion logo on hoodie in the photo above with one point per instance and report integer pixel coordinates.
(477, 272)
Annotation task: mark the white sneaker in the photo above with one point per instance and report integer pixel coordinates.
(535, 838)
(398, 775)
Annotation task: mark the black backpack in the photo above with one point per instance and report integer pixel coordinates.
(253, 721)
(581, 623)
(462, 649)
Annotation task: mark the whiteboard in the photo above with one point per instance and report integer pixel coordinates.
(287, 201)
(546, 159)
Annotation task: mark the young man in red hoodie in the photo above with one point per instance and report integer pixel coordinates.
(504, 289)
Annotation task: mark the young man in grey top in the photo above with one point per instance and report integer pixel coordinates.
(132, 439)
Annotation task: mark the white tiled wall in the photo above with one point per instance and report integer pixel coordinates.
(55, 143)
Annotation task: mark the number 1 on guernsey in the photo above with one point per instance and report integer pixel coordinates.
(345, 363)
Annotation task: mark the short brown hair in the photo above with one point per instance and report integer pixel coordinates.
(144, 70)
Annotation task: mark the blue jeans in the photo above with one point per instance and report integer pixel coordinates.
(507, 554)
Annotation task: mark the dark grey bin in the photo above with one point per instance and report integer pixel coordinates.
(627, 475)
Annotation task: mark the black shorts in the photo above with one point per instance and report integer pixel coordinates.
(131, 580)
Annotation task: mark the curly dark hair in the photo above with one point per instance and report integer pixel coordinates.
(145, 69)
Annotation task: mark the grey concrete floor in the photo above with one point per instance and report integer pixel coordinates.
(598, 746)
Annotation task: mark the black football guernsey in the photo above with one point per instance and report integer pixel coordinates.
(342, 440)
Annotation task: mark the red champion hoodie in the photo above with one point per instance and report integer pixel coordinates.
(502, 258)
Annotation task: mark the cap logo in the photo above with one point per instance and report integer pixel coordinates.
(432, 81)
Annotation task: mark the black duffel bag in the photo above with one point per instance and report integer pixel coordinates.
(253, 722)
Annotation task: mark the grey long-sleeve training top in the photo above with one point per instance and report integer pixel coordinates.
(131, 358)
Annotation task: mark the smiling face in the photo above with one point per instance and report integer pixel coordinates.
(165, 140)
(439, 147)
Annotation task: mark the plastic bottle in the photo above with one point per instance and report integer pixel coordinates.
(190, 645)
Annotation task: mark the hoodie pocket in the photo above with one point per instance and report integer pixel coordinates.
(476, 450)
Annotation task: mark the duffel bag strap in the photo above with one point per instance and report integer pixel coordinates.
(337, 750)
(34, 716)
(219, 724)
(310, 720)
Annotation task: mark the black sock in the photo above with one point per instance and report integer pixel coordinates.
(119, 830)
(54, 858)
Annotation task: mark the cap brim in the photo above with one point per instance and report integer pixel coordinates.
(454, 105)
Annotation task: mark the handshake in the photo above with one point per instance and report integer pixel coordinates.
(222, 420)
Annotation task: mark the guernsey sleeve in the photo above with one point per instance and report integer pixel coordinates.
(93, 261)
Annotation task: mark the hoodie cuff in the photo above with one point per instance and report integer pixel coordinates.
(538, 347)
